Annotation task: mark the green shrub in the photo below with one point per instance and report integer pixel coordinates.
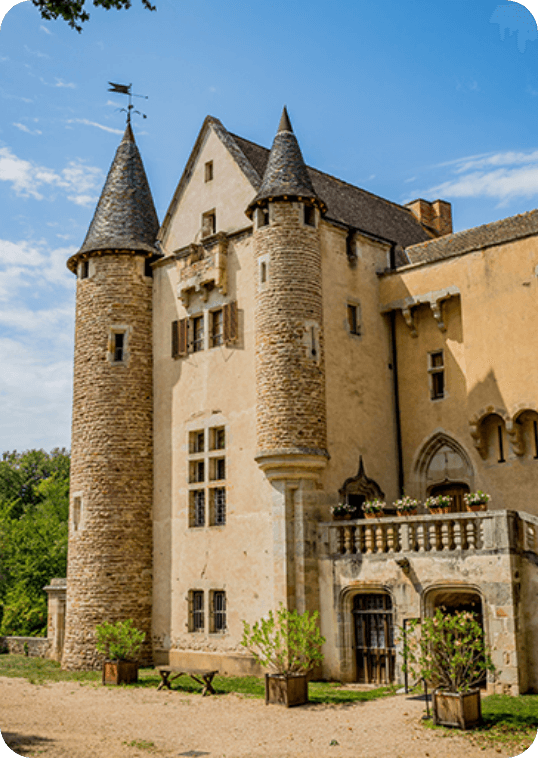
(120, 641)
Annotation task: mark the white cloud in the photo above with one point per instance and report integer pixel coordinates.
(37, 53)
(502, 176)
(24, 128)
(61, 83)
(44, 29)
(94, 123)
(28, 179)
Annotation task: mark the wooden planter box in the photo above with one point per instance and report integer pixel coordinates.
(286, 690)
(120, 672)
(461, 709)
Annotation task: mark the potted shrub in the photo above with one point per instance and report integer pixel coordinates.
(289, 643)
(476, 501)
(450, 654)
(406, 506)
(439, 504)
(374, 508)
(120, 643)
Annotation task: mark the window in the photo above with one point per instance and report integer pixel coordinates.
(262, 216)
(188, 334)
(354, 319)
(436, 370)
(218, 611)
(197, 324)
(84, 269)
(209, 171)
(77, 513)
(501, 458)
(196, 611)
(119, 346)
(535, 438)
(209, 223)
(218, 516)
(207, 464)
(197, 508)
(148, 271)
(217, 328)
(309, 215)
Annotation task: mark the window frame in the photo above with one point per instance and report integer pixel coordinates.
(218, 621)
(209, 223)
(353, 318)
(437, 375)
(208, 172)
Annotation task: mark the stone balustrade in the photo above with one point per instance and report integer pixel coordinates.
(440, 534)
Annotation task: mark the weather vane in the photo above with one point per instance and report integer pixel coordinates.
(125, 89)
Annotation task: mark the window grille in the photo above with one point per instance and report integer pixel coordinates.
(197, 611)
(197, 441)
(219, 611)
(198, 501)
(219, 506)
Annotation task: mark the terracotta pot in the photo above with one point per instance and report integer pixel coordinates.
(458, 709)
(372, 515)
(120, 672)
(341, 516)
(286, 690)
(412, 512)
(477, 507)
(440, 509)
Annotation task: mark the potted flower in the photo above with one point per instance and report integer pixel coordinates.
(120, 643)
(341, 511)
(439, 504)
(476, 501)
(406, 506)
(374, 508)
(289, 643)
(450, 654)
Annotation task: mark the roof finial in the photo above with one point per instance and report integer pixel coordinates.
(285, 124)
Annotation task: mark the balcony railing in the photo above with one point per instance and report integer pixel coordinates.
(442, 534)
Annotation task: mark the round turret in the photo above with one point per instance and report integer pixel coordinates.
(290, 369)
(109, 575)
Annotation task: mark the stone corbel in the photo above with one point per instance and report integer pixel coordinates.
(408, 317)
(435, 305)
(203, 268)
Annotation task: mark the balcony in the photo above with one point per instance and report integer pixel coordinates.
(433, 534)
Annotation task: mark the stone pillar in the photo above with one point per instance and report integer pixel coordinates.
(56, 592)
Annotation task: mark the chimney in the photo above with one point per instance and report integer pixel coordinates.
(436, 217)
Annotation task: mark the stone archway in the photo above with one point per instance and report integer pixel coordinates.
(443, 465)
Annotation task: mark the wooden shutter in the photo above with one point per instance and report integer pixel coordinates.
(230, 323)
(179, 338)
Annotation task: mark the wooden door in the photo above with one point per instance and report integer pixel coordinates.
(456, 491)
(374, 638)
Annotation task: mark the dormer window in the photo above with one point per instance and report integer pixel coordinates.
(208, 173)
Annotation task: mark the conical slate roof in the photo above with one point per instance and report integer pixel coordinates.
(286, 175)
(125, 217)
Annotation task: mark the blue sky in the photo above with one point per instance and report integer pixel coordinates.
(405, 98)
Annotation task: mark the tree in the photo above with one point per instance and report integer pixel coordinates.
(34, 505)
(73, 11)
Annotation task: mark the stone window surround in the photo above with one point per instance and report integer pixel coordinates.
(114, 329)
(77, 511)
(207, 611)
(353, 303)
(433, 370)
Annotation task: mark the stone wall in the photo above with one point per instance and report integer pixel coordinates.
(35, 647)
(290, 370)
(110, 528)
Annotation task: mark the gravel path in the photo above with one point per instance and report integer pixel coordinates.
(73, 720)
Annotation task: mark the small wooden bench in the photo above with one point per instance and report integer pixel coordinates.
(201, 676)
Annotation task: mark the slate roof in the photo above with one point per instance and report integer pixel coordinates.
(285, 173)
(496, 233)
(350, 205)
(125, 217)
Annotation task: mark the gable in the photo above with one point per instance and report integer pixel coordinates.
(232, 187)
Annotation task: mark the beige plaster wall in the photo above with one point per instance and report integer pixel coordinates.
(228, 194)
(360, 410)
(489, 363)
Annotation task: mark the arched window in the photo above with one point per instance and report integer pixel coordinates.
(493, 429)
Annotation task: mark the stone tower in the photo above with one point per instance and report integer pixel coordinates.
(109, 575)
(290, 367)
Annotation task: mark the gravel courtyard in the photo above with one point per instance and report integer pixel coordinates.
(74, 720)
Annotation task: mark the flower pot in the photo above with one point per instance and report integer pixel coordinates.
(341, 516)
(440, 509)
(372, 515)
(286, 690)
(477, 507)
(460, 709)
(120, 672)
(412, 512)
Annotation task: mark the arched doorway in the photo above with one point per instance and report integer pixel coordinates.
(452, 599)
(374, 638)
(443, 467)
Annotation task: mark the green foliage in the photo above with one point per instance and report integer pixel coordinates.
(120, 641)
(450, 652)
(289, 642)
(34, 507)
(73, 11)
